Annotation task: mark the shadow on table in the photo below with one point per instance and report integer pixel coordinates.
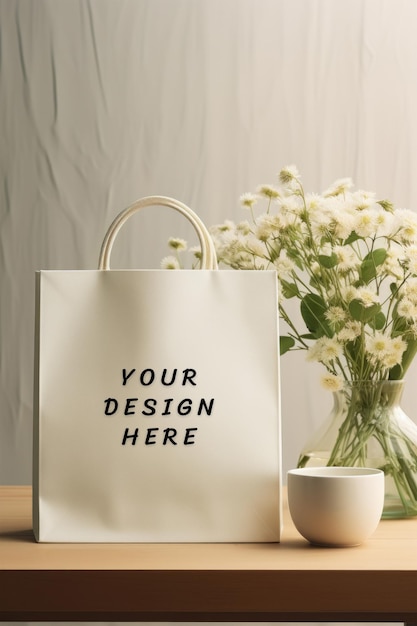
(19, 535)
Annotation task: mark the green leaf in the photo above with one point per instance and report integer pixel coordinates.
(315, 282)
(394, 288)
(351, 239)
(371, 312)
(396, 373)
(285, 344)
(377, 256)
(289, 290)
(400, 325)
(274, 252)
(328, 261)
(356, 309)
(313, 308)
(294, 255)
(367, 271)
(378, 322)
(408, 355)
(371, 262)
(386, 205)
(362, 313)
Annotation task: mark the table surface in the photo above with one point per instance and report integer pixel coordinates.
(289, 581)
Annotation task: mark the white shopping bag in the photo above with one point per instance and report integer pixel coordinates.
(157, 405)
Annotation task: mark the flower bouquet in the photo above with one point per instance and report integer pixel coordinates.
(351, 262)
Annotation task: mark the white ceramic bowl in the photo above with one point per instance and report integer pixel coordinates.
(336, 506)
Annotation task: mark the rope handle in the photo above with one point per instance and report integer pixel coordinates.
(208, 252)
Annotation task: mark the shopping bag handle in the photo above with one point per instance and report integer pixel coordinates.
(208, 252)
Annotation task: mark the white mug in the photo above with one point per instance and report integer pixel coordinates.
(336, 506)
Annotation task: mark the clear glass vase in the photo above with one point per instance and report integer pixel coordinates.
(368, 428)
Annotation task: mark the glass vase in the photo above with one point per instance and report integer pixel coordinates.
(368, 428)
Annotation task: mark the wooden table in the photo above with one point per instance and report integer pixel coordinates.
(290, 581)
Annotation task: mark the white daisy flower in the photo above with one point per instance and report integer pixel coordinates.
(265, 227)
(170, 263)
(313, 201)
(364, 223)
(283, 265)
(346, 258)
(340, 186)
(226, 227)
(411, 258)
(177, 244)
(366, 295)
(350, 331)
(331, 350)
(332, 382)
(394, 353)
(362, 199)
(244, 228)
(268, 191)
(196, 251)
(288, 174)
(377, 345)
(256, 247)
(326, 350)
(407, 308)
(343, 224)
(384, 350)
(248, 199)
(349, 293)
(406, 222)
(393, 264)
(335, 315)
(291, 205)
(409, 289)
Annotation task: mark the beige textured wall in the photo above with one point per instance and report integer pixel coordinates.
(105, 101)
